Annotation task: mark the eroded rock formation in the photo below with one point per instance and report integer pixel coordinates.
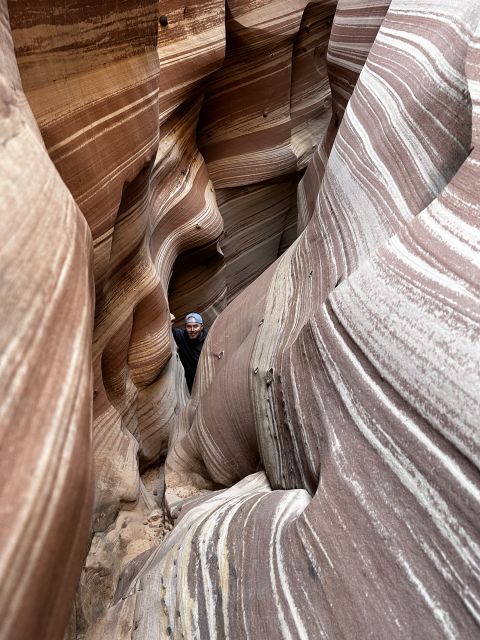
(46, 320)
(323, 478)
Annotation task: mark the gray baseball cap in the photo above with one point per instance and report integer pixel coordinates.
(196, 316)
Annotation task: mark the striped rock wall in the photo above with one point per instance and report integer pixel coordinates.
(263, 114)
(354, 29)
(91, 76)
(123, 142)
(46, 320)
(95, 92)
(338, 397)
(190, 47)
(122, 137)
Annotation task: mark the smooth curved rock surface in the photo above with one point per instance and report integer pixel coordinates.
(91, 75)
(257, 99)
(95, 92)
(354, 29)
(355, 368)
(324, 476)
(91, 78)
(123, 138)
(264, 112)
(46, 320)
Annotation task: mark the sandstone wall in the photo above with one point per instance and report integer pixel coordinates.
(46, 321)
(356, 372)
(337, 395)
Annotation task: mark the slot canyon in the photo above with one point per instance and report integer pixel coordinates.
(304, 174)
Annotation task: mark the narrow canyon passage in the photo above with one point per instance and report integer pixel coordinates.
(304, 175)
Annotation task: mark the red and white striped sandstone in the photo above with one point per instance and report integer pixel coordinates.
(46, 320)
(324, 476)
(355, 367)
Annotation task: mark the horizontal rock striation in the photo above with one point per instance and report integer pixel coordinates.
(324, 476)
(264, 112)
(94, 92)
(190, 47)
(46, 320)
(91, 76)
(353, 363)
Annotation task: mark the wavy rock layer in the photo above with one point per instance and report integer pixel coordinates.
(352, 378)
(337, 395)
(46, 319)
(123, 139)
(91, 75)
(263, 114)
(94, 93)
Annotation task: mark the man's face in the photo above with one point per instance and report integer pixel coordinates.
(194, 329)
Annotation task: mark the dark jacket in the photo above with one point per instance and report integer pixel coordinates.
(189, 352)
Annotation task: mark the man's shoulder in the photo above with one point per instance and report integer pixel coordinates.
(178, 334)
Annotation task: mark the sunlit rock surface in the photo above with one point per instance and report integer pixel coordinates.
(323, 479)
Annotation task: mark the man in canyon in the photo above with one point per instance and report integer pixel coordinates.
(190, 342)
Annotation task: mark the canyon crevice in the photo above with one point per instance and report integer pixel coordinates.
(304, 174)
